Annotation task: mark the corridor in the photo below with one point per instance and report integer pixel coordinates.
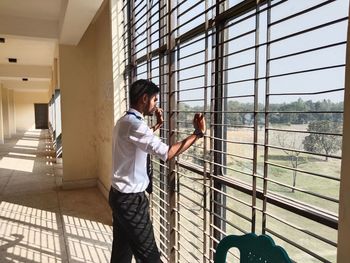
(40, 222)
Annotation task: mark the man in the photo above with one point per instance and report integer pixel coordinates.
(132, 141)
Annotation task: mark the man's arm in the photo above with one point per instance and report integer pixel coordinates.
(180, 147)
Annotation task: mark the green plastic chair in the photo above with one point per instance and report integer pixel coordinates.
(252, 248)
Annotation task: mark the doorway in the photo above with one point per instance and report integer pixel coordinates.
(41, 115)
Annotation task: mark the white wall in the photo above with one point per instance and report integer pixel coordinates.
(24, 108)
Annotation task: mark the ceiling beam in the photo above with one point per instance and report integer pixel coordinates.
(77, 18)
(30, 86)
(29, 27)
(25, 71)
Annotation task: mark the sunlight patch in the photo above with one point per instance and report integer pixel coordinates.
(17, 164)
(28, 234)
(23, 154)
(88, 241)
(27, 143)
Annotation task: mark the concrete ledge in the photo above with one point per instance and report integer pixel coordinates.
(76, 184)
(103, 189)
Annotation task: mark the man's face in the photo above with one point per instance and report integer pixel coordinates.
(151, 105)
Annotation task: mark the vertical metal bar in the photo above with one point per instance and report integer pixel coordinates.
(206, 224)
(172, 135)
(224, 118)
(218, 119)
(162, 176)
(256, 109)
(131, 43)
(178, 184)
(212, 143)
(148, 32)
(149, 65)
(267, 91)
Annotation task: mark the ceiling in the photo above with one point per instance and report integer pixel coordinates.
(32, 30)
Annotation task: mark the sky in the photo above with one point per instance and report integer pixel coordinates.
(321, 80)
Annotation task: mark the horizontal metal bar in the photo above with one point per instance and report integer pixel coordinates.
(307, 51)
(154, 53)
(305, 112)
(192, 190)
(192, 66)
(189, 9)
(301, 131)
(231, 197)
(302, 190)
(200, 205)
(282, 220)
(232, 126)
(160, 216)
(190, 78)
(234, 97)
(301, 32)
(254, 47)
(230, 141)
(186, 249)
(237, 67)
(233, 211)
(188, 219)
(300, 13)
(189, 209)
(303, 171)
(177, 27)
(291, 206)
(305, 71)
(183, 40)
(296, 245)
(138, 5)
(160, 190)
(190, 89)
(303, 209)
(300, 151)
(162, 235)
(190, 231)
(234, 155)
(190, 55)
(238, 37)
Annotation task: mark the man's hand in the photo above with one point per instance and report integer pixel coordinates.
(159, 115)
(199, 124)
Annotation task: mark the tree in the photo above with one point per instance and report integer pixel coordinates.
(322, 142)
(289, 140)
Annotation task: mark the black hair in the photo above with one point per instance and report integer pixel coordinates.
(140, 87)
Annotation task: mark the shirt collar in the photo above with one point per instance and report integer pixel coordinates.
(138, 114)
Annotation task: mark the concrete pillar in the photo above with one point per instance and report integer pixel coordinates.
(1, 118)
(344, 199)
(6, 112)
(12, 114)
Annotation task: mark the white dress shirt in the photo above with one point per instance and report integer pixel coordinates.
(132, 141)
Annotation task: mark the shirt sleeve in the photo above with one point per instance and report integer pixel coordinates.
(143, 137)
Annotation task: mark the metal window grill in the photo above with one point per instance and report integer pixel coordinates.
(269, 77)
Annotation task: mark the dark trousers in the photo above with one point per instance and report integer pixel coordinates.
(132, 229)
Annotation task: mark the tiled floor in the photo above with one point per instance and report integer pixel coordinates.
(39, 222)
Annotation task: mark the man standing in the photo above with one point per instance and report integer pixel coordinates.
(132, 141)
